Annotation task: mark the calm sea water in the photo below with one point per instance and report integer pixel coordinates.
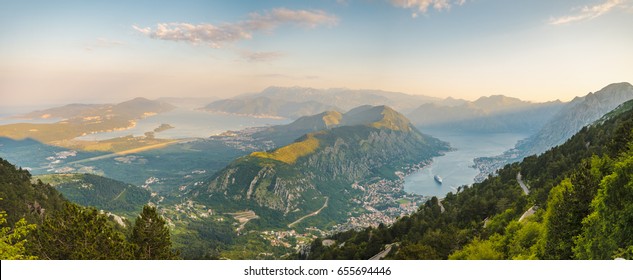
(188, 123)
(456, 167)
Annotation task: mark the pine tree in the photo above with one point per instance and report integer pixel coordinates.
(151, 236)
(78, 233)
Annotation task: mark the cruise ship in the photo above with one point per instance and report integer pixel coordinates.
(438, 179)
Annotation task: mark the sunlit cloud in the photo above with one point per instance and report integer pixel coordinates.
(587, 12)
(423, 6)
(217, 36)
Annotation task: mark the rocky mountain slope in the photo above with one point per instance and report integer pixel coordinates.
(575, 115)
(578, 113)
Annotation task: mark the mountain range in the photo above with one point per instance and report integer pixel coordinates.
(496, 113)
(267, 107)
(294, 102)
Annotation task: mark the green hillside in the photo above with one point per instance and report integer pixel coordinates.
(100, 192)
(23, 199)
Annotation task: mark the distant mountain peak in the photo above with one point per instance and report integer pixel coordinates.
(139, 99)
(492, 101)
(144, 104)
(391, 119)
(332, 118)
(620, 85)
(381, 117)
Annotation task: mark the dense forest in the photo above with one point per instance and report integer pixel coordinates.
(37, 222)
(578, 204)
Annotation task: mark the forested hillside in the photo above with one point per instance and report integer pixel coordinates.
(38, 223)
(578, 204)
(22, 199)
(100, 192)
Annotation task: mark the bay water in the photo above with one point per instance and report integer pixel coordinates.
(456, 168)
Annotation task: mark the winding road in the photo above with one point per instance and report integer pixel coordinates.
(526, 190)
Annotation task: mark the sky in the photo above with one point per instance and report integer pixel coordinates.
(57, 52)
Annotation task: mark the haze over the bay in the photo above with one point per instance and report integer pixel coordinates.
(55, 52)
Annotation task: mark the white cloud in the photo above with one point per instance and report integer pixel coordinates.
(260, 56)
(100, 43)
(587, 12)
(218, 35)
(423, 6)
(215, 36)
(287, 77)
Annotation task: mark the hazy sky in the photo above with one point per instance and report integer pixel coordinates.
(95, 51)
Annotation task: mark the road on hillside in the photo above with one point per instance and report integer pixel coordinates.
(528, 213)
(523, 185)
(439, 203)
(382, 253)
(311, 214)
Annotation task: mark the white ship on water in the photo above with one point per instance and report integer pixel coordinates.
(438, 179)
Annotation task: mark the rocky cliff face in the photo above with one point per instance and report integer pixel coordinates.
(262, 184)
(574, 116)
(373, 142)
(357, 152)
